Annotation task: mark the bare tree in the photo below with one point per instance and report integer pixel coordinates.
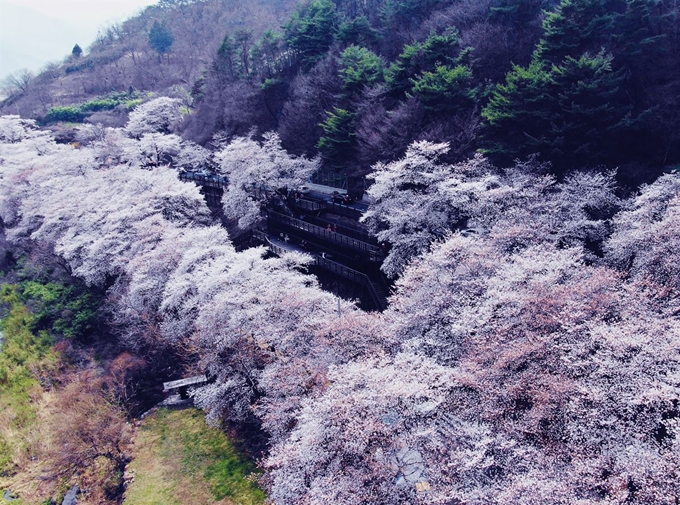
(17, 83)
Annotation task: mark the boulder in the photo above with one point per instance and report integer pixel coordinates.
(71, 498)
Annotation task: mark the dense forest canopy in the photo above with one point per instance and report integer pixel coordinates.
(519, 364)
(521, 160)
(585, 84)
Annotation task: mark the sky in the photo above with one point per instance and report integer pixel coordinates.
(35, 32)
(85, 11)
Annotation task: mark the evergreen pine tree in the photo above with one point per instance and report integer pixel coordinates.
(590, 110)
(160, 39)
(576, 27)
(445, 89)
(357, 31)
(224, 63)
(266, 54)
(310, 31)
(519, 113)
(610, 64)
(336, 145)
(360, 67)
(572, 114)
(425, 56)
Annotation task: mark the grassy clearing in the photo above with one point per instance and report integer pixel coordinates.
(179, 459)
(28, 360)
(46, 404)
(25, 358)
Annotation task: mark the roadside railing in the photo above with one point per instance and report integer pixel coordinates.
(328, 235)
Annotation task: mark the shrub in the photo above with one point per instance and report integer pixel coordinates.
(77, 113)
(61, 310)
(68, 114)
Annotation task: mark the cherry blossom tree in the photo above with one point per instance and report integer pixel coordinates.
(23, 149)
(255, 170)
(96, 219)
(98, 222)
(301, 370)
(14, 129)
(547, 354)
(111, 147)
(244, 324)
(136, 297)
(160, 115)
(645, 242)
(514, 365)
(361, 441)
(537, 209)
(419, 200)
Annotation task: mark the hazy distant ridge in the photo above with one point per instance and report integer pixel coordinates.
(29, 39)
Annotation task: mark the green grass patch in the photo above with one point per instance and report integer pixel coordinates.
(23, 357)
(180, 459)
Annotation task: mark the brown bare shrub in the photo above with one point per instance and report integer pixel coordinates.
(88, 438)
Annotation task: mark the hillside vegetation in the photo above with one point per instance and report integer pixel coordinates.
(357, 82)
(50, 405)
(520, 160)
(65, 416)
(533, 361)
(179, 459)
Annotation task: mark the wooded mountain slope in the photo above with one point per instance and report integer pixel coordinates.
(583, 83)
(516, 365)
(520, 159)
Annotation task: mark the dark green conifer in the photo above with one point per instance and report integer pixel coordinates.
(360, 67)
(160, 38)
(420, 57)
(335, 146)
(224, 63)
(519, 112)
(445, 89)
(310, 31)
(590, 110)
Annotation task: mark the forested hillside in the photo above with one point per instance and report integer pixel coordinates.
(583, 83)
(519, 161)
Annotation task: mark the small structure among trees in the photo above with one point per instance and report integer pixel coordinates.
(182, 385)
